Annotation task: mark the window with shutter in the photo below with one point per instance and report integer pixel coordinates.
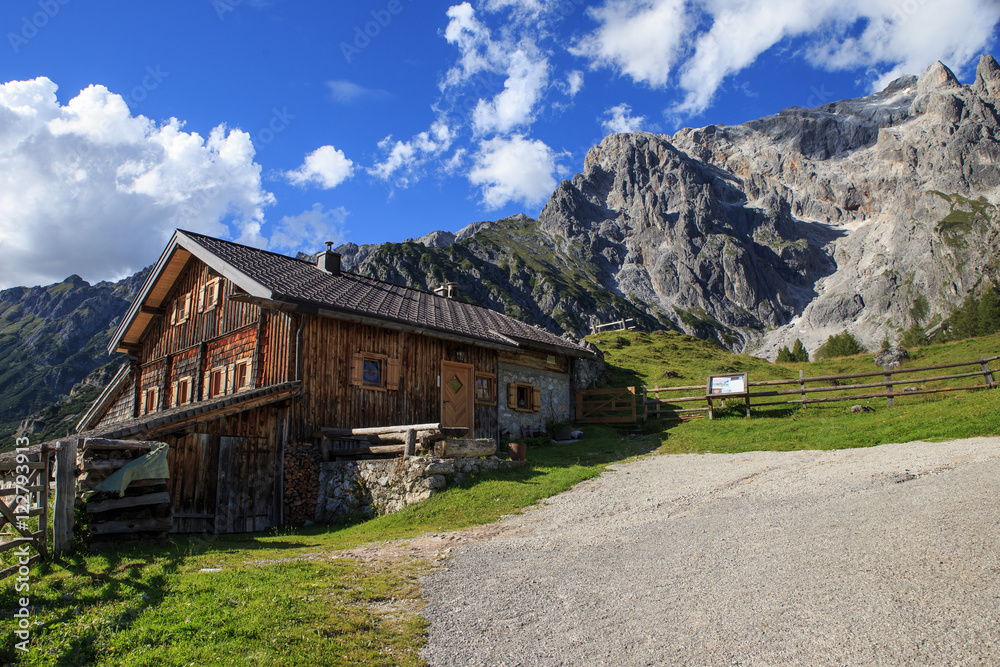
(486, 389)
(523, 397)
(372, 371)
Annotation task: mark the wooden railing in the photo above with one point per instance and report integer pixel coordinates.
(606, 406)
(654, 405)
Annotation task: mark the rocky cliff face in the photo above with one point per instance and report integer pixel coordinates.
(797, 225)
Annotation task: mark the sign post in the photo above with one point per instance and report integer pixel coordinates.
(730, 385)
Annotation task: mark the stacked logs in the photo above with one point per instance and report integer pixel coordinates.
(382, 440)
(142, 513)
(301, 482)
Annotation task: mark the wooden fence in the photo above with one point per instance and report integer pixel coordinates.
(606, 406)
(772, 393)
(620, 325)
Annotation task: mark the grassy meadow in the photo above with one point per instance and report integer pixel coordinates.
(292, 597)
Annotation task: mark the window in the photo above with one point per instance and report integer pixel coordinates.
(486, 389)
(150, 399)
(524, 397)
(241, 375)
(374, 371)
(182, 391)
(182, 309)
(209, 296)
(216, 383)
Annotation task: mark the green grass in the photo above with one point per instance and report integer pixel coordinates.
(287, 598)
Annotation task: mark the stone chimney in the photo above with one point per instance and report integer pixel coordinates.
(447, 290)
(329, 260)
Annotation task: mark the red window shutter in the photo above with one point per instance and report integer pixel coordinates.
(357, 368)
(536, 399)
(392, 374)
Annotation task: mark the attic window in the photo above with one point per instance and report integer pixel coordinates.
(210, 295)
(182, 309)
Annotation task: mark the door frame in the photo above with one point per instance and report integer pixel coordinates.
(470, 387)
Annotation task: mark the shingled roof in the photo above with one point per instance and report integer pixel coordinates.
(268, 276)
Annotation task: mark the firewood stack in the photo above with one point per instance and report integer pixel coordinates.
(142, 513)
(301, 482)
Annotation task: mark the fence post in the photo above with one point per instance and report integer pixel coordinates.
(987, 373)
(802, 387)
(888, 385)
(62, 516)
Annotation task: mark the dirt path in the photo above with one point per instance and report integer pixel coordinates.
(886, 555)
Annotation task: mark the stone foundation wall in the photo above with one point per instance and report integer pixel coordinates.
(368, 488)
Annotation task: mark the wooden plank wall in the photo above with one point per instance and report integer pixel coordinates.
(277, 349)
(329, 399)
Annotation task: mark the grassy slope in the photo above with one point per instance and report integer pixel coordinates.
(287, 598)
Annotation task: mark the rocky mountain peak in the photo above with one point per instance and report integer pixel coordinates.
(936, 77)
(987, 77)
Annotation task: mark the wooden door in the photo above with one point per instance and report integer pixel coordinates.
(458, 399)
(246, 485)
(194, 464)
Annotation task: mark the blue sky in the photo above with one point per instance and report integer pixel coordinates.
(284, 123)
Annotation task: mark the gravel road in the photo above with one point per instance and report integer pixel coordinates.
(879, 556)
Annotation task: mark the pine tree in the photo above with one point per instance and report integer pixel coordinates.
(784, 355)
(799, 351)
(988, 311)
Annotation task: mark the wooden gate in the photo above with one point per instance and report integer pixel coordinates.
(24, 506)
(194, 473)
(246, 489)
(605, 406)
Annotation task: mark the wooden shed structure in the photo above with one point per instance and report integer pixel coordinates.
(237, 353)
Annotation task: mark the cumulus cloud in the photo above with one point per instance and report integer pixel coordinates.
(93, 190)
(514, 169)
(620, 119)
(522, 90)
(309, 230)
(642, 38)
(326, 167)
(658, 42)
(404, 158)
(523, 65)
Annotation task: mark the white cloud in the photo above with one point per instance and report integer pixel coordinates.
(326, 167)
(642, 38)
(309, 230)
(620, 119)
(348, 92)
(514, 105)
(653, 41)
(514, 169)
(406, 157)
(574, 82)
(90, 189)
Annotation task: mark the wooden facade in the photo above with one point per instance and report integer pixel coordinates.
(200, 337)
